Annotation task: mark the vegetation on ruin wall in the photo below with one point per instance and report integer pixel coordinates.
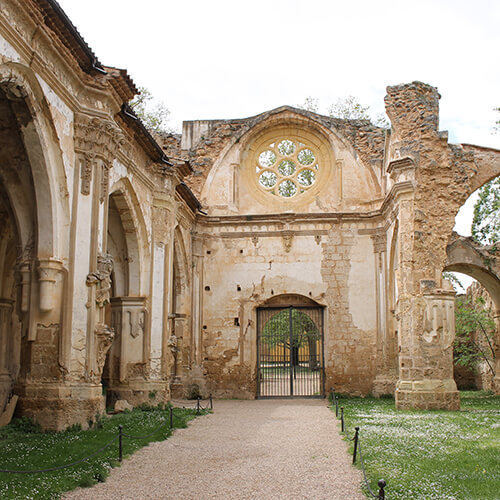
(474, 334)
(23, 446)
(436, 455)
(154, 114)
(486, 220)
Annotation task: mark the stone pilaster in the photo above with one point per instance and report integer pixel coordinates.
(48, 271)
(426, 370)
(385, 379)
(425, 311)
(6, 307)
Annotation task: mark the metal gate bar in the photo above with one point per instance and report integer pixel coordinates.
(290, 352)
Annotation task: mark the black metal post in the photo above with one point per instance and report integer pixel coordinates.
(336, 406)
(171, 411)
(342, 417)
(356, 437)
(381, 492)
(211, 402)
(198, 405)
(120, 439)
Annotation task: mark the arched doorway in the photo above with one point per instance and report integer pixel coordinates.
(34, 350)
(290, 348)
(19, 244)
(126, 312)
(10, 312)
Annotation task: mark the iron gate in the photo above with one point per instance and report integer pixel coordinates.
(290, 352)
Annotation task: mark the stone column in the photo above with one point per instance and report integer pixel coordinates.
(48, 270)
(385, 379)
(128, 319)
(417, 154)
(161, 255)
(6, 307)
(426, 376)
(25, 272)
(197, 300)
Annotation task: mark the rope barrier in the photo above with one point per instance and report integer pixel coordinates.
(357, 449)
(119, 437)
(198, 406)
(364, 472)
(381, 483)
(197, 403)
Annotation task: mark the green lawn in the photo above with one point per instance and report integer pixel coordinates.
(24, 447)
(429, 455)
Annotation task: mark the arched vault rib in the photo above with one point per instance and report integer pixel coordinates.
(466, 256)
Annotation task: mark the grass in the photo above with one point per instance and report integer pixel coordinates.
(23, 446)
(431, 455)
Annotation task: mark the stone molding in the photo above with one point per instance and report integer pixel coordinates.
(96, 138)
(379, 242)
(48, 270)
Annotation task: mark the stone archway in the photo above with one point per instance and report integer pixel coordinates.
(31, 335)
(466, 256)
(125, 365)
(10, 306)
(290, 339)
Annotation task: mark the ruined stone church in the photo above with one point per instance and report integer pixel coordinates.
(272, 256)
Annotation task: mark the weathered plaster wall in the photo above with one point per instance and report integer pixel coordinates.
(97, 188)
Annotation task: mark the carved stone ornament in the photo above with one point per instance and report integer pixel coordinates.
(287, 242)
(379, 242)
(101, 279)
(136, 323)
(86, 173)
(48, 270)
(172, 343)
(439, 320)
(104, 337)
(97, 138)
(104, 184)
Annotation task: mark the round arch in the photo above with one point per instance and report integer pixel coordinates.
(126, 225)
(290, 357)
(40, 140)
(467, 257)
(284, 121)
(290, 299)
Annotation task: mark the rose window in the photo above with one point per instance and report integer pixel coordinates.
(286, 168)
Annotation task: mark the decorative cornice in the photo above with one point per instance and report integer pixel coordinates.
(402, 170)
(400, 163)
(379, 241)
(98, 137)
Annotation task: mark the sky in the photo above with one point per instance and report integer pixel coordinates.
(230, 59)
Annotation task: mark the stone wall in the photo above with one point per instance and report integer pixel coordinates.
(110, 276)
(95, 236)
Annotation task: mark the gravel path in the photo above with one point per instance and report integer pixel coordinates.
(265, 449)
